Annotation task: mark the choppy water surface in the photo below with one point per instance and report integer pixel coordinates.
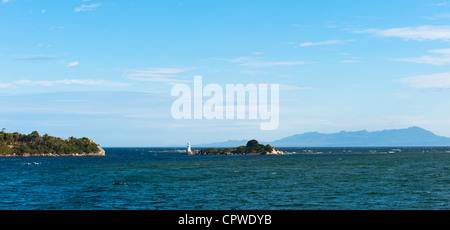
(157, 178)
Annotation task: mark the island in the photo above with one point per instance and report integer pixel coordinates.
(252, 148)
(34, 145)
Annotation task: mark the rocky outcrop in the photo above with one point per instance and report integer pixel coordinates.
(252, 148)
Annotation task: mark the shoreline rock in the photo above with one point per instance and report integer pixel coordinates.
(275, 152)
(191, 152)
(101, 152)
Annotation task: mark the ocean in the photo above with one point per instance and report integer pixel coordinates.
(166, 179)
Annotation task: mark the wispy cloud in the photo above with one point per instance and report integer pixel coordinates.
(259, 63)
(238, 60)
(46, 58)
(253, 72)
(160, 79)
(438, 80)
(438, 16)
(166, 75)
(156, 72)
(419, 33)
(5, 1)
(38, 57)
(350, 61)
(262, 64)
(440, 51)
(85, 7)
(5, 85)
(441, 4)
(328, 42)
(285, 87)
(441, 57)
(72, 64)
(70, 82)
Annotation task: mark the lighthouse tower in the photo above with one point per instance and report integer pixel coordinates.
(188, 150)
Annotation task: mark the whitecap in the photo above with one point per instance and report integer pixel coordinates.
(33, 163)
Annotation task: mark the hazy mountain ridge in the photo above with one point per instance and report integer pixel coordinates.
(412, 136)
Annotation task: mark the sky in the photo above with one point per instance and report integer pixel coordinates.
(105, 69)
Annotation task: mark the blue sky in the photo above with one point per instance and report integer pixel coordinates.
(105, 69)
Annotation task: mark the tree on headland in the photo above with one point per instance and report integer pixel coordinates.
(253, 146)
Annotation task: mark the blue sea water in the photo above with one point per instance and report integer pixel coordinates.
(166, 179)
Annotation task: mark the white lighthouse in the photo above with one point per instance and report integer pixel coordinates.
(188, 149)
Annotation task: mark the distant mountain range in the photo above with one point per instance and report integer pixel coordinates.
(412, 136)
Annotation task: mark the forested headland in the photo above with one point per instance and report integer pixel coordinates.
(34, 144)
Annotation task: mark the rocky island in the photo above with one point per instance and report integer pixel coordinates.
(34, 145)
(252, 148)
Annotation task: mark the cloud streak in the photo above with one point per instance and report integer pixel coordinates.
(70, 82)
(37, 57)
(73, 64)
(5, 85)
(262, 64)
(166, 75)
(258, 63)
(438, 80)
(441, 57)
(85, 7)
(156, 72)
(328, 42)
(418, 33)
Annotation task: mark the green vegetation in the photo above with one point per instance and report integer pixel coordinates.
(34, 143)
(252, 148)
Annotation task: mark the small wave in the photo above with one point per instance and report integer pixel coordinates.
(33, 163)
